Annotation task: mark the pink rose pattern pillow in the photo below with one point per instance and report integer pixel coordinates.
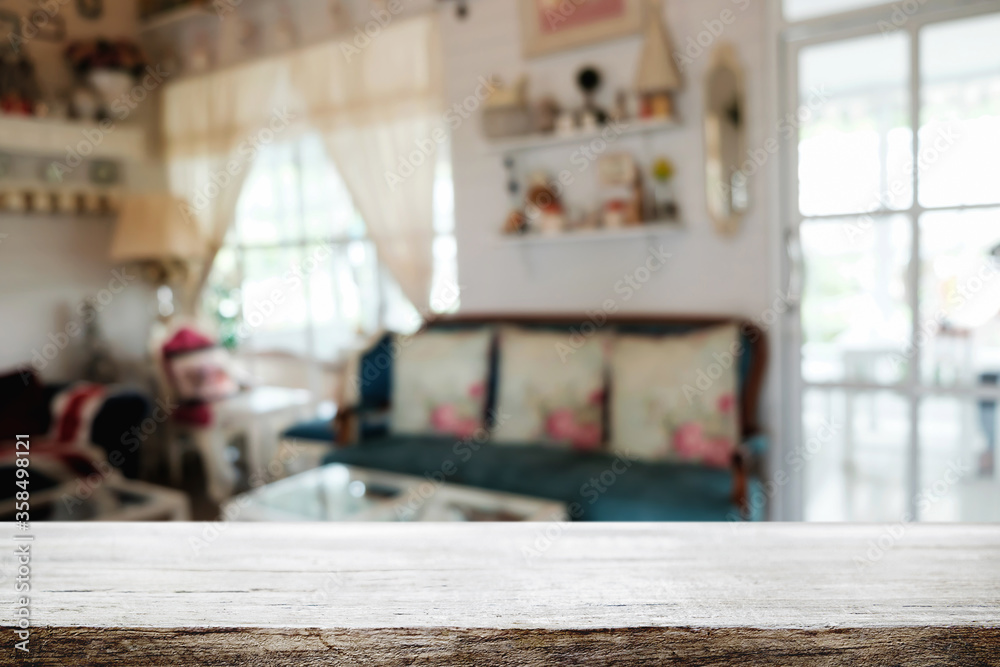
(439, 382)
(674, 397)
(550, 391)
(452, 418)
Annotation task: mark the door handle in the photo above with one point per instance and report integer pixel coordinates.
(796, 268)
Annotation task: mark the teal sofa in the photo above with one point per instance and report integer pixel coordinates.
(595, 486)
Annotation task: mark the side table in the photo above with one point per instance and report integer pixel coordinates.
(259, 415)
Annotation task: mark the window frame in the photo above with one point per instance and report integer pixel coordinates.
(249, 347)
(792, 37)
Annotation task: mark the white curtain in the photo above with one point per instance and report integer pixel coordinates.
(380, 112)
(374, 106)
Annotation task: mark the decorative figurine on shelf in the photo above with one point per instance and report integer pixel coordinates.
(546, 113)
(657, 78)
(615, 213)
(19, 91)
(506, 112)
(623, 190)
(617, 169)
(620, 112)
(83, 102)
(664, 205)
(589, 80)
(108, 68)
(565, 124)
(544, 211)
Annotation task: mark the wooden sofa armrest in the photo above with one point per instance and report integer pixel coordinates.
(345, 426)
(739, 493)
(747, 463)
(347, 423)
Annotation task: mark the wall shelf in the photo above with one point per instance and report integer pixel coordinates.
(536, 141)
(645, 230)
(174, 17)
(21, 135)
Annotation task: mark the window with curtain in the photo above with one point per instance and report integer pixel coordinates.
(298, 273)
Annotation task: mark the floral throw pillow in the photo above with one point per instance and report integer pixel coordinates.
(674, 397)
(549, 390)
(439, 382)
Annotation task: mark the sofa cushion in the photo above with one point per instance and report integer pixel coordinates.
(675, 397)
(373, 380)
(551, 389)
(596, 486)
(440, 383)
(752, 358)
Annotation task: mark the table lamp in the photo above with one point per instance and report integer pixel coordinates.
(154, 233)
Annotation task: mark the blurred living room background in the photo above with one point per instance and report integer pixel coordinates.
(410, 260)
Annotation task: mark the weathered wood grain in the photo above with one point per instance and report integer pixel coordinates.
(381, 594)
(736, 647)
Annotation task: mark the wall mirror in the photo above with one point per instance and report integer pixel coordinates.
(725, 141)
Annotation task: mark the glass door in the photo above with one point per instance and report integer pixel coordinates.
(893, 208)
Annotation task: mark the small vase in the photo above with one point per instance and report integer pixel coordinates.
(111, 84)
(84, 103)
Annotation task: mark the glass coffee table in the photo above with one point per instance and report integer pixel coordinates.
(337, 492)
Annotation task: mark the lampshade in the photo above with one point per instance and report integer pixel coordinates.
(155, 227)
(657, 71)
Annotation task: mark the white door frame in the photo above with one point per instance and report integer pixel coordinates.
(789, 39)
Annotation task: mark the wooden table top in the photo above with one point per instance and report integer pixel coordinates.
(525, 593)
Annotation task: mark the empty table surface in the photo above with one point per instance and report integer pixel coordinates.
(547, 593)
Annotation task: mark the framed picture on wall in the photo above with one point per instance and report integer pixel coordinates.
(556, 25)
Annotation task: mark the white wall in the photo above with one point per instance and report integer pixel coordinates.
(48, 265)
(707, 273)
